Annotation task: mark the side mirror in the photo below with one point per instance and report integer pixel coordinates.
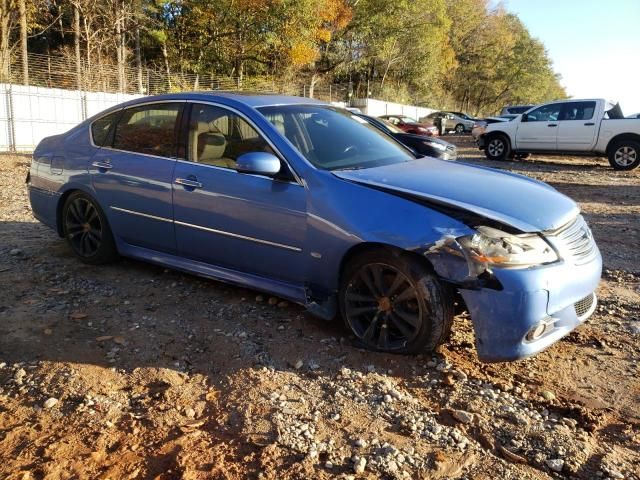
(258, 163)
(525, 117)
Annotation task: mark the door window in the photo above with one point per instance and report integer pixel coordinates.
(101, 128)
(148, 129)
(578, 111)
(218, 137)
(546, 113)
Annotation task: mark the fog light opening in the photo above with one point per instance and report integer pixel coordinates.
(541, 329)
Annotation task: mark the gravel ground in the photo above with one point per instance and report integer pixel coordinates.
(134, 371)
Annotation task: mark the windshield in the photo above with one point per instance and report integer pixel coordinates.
(332, 138)
(407, 120)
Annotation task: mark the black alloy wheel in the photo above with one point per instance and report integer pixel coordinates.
(396, 306)
(86, 230)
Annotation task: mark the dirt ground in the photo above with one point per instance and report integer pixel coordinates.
(133, 371)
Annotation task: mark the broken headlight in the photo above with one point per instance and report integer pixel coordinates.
(491, 247)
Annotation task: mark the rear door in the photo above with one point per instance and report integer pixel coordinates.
(540, 131)
(133, 172)
(251, 223)
(577, 127)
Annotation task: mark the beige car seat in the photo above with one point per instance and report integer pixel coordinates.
(208, 145)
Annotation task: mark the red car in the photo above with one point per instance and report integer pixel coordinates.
(410, 125)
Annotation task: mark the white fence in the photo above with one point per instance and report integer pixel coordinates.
(374, 107)
(28, 114)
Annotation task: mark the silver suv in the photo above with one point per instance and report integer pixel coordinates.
(451, 121)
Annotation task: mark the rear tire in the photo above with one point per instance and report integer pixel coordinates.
(394, 303)
(87, 231)
(459, 129)
(497, 148)
(625, 155)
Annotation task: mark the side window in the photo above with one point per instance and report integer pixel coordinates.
(578, 111)
(101, 128)
(545, 113)
(149, 129)
(218, 137)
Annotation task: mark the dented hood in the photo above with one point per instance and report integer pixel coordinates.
(518, 201)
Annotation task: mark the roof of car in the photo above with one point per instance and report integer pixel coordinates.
(253, 99)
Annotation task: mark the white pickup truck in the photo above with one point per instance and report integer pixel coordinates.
(577, 127)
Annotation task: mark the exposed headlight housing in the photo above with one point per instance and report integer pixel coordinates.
(436, 145)
(490, 247)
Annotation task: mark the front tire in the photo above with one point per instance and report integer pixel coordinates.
(393, 303)
(87, 231)
(497, 148)
(459, 129)
(625, 155)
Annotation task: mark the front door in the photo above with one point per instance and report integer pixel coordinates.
(251, 223)
(132, 175)
(540, 130)
(577, 128)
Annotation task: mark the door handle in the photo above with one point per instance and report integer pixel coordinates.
(188, 182)
(103, 165)
(552, 125)
(589, 124)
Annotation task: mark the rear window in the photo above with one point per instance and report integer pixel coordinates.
(101, 128)
(148, 129)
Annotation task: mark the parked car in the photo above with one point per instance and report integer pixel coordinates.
(409, 125)
(635, 115)
(591, 127)
(450, 121)
(515, 109)
(431, 147)
(479, 126)
(304, 200)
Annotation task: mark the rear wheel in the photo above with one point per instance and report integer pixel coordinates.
(625, 155)
(87, 231)
(393, 303)
(459, 129)
(497, 148)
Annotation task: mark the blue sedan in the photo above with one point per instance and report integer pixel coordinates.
(311, 203)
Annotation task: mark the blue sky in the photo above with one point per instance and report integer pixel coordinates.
(594, 44)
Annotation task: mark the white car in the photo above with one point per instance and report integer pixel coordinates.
(577, 127)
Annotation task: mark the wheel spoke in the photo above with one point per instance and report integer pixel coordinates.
(383, 337)
(369, 333)
(401, 325)
(93, 214)
(376, 272)
(399, 280)
(84, 245)
(75, 213)
(411, 318)
(407, 294)
(364, 276)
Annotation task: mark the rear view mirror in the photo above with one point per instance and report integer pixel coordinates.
(258, 163)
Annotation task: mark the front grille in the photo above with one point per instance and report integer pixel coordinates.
(576, 241)
(584, 306)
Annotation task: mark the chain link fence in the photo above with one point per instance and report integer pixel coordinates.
(60, 93)
(64, 72)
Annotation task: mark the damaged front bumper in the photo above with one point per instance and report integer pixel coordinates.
(560, 296)
(517, 313)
